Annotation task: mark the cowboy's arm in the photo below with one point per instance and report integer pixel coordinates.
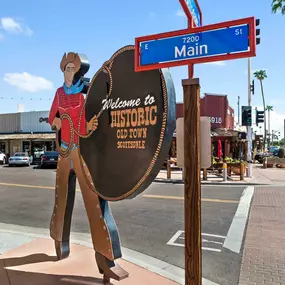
(54, 110)
(93, 123)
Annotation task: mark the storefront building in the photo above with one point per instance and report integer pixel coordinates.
(222, 118)
(27, 131)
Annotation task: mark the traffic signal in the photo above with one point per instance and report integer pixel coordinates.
(79, 75)
(246, 116)
(259, 117)
(252, 87)
(257, 31)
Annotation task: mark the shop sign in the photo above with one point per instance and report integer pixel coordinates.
(216, 120)
(41, 120)
(136, 123)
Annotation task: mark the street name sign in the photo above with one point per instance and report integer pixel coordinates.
(192, 11)
(222, 41)
(229, 40)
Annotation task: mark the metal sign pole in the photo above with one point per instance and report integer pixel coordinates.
(249, 128)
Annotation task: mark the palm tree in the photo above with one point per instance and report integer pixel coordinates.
(269, 109)
(278, 5)
(261, 75)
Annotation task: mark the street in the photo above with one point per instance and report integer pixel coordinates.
(152, 223)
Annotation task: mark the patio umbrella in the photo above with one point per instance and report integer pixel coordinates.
(220, 153)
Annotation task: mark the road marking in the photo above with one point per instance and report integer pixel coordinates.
(182, 198)
(235, 234)
(30, 186)
(26, 186)
(174, 241)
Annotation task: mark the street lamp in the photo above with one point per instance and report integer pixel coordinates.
(275, 134)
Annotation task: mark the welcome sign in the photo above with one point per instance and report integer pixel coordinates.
(136, 122)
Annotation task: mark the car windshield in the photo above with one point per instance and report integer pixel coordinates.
(19, 154)
(51, 153)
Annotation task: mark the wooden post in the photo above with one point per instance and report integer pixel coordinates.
(241, 170)
(192, 184)
(229, 170)
(168, 169)
(205, 174)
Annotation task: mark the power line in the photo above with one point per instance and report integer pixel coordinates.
(25, 99)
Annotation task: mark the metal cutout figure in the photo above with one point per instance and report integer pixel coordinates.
(67, 116)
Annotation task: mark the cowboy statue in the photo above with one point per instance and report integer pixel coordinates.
(67, 116)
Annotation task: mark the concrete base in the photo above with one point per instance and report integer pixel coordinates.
(35, 263)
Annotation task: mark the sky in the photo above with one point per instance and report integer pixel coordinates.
(34, 35)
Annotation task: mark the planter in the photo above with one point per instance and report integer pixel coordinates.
(236, 170)
(270, 165)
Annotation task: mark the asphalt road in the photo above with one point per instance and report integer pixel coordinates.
(152, 223)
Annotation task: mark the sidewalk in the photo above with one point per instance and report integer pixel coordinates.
(27, 257)
(260, 176)
(264, 248)
(34, 263)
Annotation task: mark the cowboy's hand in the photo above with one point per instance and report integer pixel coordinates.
(93, 124)
(56, 124)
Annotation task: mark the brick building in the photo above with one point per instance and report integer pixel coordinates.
(217, 108)
(221, 114)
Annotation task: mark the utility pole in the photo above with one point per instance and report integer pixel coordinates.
(249, 128)
(238, 110)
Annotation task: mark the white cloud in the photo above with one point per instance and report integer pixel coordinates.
(219, 63)
(10, 25)
(180, 13)
(28, 82)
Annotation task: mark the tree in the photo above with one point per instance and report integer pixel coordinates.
(278, 5)
(261, 75)
(269, 109)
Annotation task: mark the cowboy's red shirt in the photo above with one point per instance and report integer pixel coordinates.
(71, 105)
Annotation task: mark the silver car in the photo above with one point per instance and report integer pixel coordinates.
(20, 158)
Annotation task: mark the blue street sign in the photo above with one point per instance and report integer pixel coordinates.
(197, 45)
(194, 11)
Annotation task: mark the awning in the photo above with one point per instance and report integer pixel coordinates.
(46, 136)
(220, 133)
(224, 133)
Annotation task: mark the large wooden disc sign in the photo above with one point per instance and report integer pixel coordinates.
(136, 122)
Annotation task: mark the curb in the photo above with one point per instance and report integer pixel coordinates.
(177, 181)
(152, 264)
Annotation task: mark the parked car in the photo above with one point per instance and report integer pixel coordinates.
(20, 158)
(259, 156)
(49, 158)
(275, 152)
(3, 158)
(38, 153)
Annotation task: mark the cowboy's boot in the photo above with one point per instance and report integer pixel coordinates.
(107, 268)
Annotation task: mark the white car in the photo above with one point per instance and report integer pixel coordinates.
(3, 158)
(20, 158)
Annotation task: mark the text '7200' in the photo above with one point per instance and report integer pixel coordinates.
(196, 45)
